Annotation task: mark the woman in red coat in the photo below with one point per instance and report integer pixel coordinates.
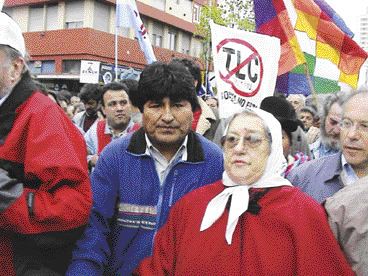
(252, 222)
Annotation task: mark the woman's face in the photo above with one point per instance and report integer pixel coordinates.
(246, 149)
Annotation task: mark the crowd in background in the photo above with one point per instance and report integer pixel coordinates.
(143, 177)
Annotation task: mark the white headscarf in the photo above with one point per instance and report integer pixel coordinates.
(272, 177)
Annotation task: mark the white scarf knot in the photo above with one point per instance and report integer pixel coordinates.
(216, 207)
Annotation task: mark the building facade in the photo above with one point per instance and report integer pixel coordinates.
(61, 35)
(363, 30)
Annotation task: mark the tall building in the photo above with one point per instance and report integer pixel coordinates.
(363, 30)
(61, 36)
(363, 42)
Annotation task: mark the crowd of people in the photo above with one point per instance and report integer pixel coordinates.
(144, 178)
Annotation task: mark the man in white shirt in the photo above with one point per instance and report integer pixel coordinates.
(117, 108)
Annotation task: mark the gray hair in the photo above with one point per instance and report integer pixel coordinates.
(301, 97)
(353, 94)
(13, 54)
(339, 98)
(249, 112)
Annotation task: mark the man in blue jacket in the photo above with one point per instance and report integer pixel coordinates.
(139, 177)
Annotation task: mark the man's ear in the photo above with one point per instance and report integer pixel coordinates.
(16, 69)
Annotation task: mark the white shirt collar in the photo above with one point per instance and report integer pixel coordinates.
(183, 146)
(348, 172)
(108, 129)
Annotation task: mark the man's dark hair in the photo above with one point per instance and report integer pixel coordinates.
(66, 95)
(193, 68)
(132, 88)
(159, 80)
(115, 86)
(90, 91)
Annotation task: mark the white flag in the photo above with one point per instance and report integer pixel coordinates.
(127, 15)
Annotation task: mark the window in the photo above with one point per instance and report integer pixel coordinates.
(101, 17)
(48, 67)
(172, 40)
(36, 19)
(123, 31)
(42, 67)
(51, 17)
(71, 66)
(196, 13)
(44, 17)
(185, 44)
(157, 40)
(74, 14)
(157, 34)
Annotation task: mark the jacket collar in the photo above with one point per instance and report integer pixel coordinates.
(335, 167)
(138, 145)
(20, 93)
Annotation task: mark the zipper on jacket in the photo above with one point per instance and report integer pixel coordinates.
(172, 188)
(159, 206)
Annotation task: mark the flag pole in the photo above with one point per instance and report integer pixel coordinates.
(116, 52)
(310, 84)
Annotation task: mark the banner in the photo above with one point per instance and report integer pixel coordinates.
(107, 73)
(246, 66)
(89, 71)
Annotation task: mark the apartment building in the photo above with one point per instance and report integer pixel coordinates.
(63, 36)
(363, 30)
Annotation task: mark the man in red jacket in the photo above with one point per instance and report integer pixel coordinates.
(45, 195)
(116, 107)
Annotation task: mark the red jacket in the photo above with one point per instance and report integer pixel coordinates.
(46, 152)
(286, 233)
(104, 139)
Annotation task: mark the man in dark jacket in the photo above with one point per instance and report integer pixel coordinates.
(139, 177)
(45, 194)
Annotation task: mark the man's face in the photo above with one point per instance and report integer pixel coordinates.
(117, 109)
(306, 118)
(354, 134)
(331, 133)
(5, 74)
(74, 100)
(167, 123)
(295, 101)
(211, 102)
(91, 107)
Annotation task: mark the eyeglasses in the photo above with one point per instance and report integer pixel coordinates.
(251, 140)
(348, 124)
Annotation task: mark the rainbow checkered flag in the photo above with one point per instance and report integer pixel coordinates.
(329, 56)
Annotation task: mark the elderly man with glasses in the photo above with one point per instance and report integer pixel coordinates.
(321, 178)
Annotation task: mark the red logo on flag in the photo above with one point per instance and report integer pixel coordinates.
(240, 65)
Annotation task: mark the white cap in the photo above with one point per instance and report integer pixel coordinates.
(11, 34)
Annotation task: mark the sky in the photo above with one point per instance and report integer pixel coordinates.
(350, 10)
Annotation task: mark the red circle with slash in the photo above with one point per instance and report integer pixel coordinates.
(254, 54)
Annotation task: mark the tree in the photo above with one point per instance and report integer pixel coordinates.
(231, 13)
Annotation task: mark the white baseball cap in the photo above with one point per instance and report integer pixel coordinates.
(11, 34)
